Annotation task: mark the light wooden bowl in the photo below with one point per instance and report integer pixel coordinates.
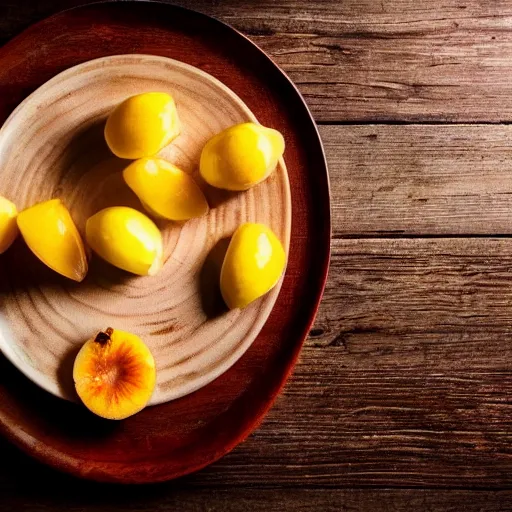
(52, 146)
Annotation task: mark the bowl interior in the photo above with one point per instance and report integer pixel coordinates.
(52, 146)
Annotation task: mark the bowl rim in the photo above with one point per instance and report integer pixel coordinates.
(8, 348)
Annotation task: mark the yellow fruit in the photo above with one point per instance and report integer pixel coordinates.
(241, 156)
(52, 236)
(114, 374)
(8, 225)
(142, 125)
(127, 239)
(165, 190)
(254, 262)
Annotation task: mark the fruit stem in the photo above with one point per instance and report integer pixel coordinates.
(104, 337)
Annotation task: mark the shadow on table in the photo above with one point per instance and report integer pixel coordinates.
(29, 483)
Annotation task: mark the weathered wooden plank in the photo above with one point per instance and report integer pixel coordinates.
(420, 179)
(248, 500)
(369, 60)
(49, 492)
(445, 286)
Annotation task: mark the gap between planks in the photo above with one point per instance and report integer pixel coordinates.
(384, 122)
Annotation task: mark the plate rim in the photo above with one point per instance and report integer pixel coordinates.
(64, 462)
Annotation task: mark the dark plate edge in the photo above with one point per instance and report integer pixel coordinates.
(314, 302)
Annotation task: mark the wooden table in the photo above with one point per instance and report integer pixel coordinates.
(402, 399)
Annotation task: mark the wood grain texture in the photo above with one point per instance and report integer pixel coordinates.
(53, 492)
(390, 59)
(179, 312)
(417, 180)
(50, 491)
(370, 60)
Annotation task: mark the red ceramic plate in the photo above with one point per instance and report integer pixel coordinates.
(181, 436)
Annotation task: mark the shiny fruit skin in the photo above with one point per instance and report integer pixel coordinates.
(114, 374)
(127, 239)
(51, 234)
(165, 190)
(241, 156)
(142, 125)
(8, 225)
(254, 263)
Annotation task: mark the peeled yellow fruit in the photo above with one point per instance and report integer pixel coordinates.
(142, 125)
(52, 236)
(127, 239)
(253, 264)
(114, 374)
(8, 225)
(241, 156)
(165, 190)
